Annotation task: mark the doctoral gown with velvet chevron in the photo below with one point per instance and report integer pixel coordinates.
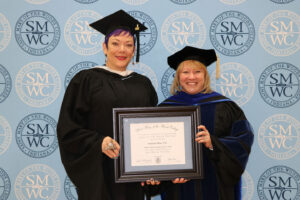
(232, 138)
(86, 118)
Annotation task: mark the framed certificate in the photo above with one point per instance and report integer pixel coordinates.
(157, 142)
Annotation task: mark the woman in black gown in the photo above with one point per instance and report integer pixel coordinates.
(85, 127)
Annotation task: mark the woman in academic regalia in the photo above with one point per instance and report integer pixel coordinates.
(225, 132)
(85, 125)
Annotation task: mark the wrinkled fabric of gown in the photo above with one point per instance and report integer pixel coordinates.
(232, 138)
(86, 118)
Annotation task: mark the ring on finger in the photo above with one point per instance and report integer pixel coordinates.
(110, 146)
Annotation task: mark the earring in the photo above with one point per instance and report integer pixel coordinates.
(179, 87)
(133, 58)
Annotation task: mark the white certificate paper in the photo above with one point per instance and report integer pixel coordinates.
(157, 143)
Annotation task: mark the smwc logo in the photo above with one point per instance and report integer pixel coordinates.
(232, 33)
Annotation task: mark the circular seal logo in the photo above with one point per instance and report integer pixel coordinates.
(70, 189)
(282, 1)
(5, 185)
(37, 1)
(279, 182)
(38, 84)
(279, 137)
(232, 33)
(148, 37)
(182, 2)
(5, 135)
(79, 36)
(166, 82)
(247, 186)
(279, 33)
(5, 32)
(5, 84)
(36, 135)
(279, 85)
(37, 181)
(183, 28)
(235, 82)
(37, 32)
(232, 2)
(145, 70)
(135, 2)
(77, 68)
(86, 1)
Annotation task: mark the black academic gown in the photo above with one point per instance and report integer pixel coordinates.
(232, 138)
(86, 118)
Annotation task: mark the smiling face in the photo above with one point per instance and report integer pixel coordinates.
(192, 76)
(119, 51)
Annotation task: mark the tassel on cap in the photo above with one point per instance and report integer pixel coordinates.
(137, 28)
(218, 67)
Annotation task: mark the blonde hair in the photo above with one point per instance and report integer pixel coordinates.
(175, 87)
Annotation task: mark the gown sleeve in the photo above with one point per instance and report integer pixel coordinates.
(80, 148)
(232, 141)
(153, 94)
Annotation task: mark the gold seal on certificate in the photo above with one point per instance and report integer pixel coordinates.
(157, 142)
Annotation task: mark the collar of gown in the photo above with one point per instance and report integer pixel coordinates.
(121, 73)
(182, 98)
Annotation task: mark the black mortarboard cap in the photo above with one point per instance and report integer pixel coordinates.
(120, 20)
(205, 56)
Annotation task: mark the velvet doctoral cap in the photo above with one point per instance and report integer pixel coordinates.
(120, 20)
(205, 56)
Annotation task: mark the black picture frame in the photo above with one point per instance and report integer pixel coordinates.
(190, 164)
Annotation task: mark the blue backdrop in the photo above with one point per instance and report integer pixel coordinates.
(44, 43)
